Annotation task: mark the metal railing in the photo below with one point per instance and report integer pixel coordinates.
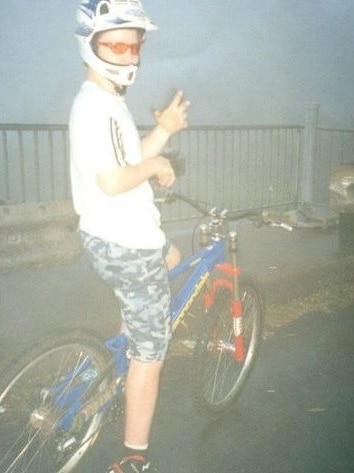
(236, 167)
(240, 167)
(34, 163)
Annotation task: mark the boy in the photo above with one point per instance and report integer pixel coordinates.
(119, 223)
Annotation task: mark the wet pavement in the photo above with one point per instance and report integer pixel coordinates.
(295, 414)
(287, 265)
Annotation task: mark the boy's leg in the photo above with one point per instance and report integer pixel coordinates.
(172, 257)
(140, 280)
(141, 394)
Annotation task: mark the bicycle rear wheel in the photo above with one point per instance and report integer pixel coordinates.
(219, 377)
(35, 394)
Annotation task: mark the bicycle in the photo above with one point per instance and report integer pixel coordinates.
(54, 398)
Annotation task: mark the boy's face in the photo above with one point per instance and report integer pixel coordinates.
(120, 46)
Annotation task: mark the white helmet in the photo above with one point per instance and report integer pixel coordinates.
(95, 16)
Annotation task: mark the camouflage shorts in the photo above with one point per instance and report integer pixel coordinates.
(140, 280)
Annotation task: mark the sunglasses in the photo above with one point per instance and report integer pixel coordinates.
(121, 48)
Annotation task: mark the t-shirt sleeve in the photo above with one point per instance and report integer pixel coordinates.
(98, 144)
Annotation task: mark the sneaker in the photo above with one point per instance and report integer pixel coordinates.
(134, 464)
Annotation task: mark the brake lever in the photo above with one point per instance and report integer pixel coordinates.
(267, 219)
(283, 225)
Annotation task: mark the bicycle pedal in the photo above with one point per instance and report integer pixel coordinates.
(116, 412)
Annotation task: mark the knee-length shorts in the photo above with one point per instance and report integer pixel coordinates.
(140, 280)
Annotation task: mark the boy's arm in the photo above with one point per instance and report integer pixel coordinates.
(169, 121)
(125, 178)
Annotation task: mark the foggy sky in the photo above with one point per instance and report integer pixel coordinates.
(239, 62)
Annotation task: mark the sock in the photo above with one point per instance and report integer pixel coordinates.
(132, 451)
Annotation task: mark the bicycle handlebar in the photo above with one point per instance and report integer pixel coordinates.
(171, 196)
(224, 214)
(260, 217)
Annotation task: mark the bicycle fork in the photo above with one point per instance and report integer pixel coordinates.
(236, 303)
(232, 271)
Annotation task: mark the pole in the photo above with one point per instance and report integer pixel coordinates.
(309, 155)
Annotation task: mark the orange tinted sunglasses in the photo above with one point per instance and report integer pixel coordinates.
(121, 48)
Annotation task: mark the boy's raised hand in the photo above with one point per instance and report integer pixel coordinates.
(173, 118)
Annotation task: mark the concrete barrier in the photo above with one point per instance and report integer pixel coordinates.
(37, 234)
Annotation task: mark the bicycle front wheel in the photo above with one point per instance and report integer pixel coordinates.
(35, 396)
(219, 376)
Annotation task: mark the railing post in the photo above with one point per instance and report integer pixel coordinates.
(309, 153)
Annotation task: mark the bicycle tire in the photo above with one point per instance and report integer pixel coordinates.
(30, 442)
(218, 377)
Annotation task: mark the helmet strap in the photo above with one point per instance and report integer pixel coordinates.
(120, 89)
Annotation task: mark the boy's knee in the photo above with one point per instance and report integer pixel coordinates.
(173, 257)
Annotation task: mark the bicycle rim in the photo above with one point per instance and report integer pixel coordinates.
(33, 439)
(219, 377)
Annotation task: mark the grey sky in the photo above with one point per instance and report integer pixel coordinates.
(238, 61)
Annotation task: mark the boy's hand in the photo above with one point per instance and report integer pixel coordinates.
(174, 117)
(164, 174)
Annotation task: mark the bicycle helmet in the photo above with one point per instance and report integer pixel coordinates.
(95, 16)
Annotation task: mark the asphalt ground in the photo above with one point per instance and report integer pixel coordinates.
(295, 414)
(289, 266)
(307, 279)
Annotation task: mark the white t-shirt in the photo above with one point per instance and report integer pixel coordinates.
(104, 136)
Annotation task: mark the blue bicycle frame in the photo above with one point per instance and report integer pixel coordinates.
(204, 261)
(201, 264)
